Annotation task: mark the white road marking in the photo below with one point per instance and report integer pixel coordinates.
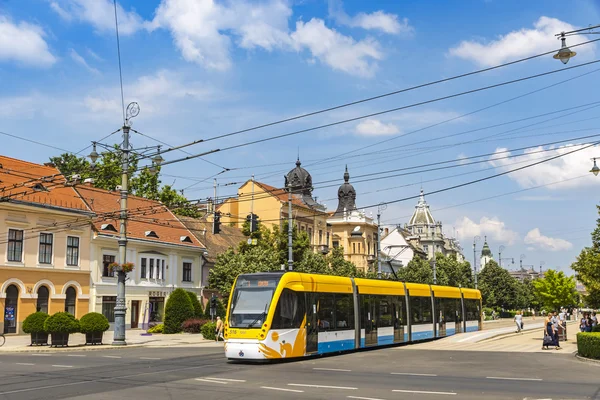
(363, 398)
(211, 381)
(62, 366)
(411, 374)
(333, 369)
(76, 355)
(282, 389)
(41, 355)
(322, 386)
(149, 358)
(424, 392)
(25, 364)
(226, 380)
(471, 337)
(513, 379)
(111, 356)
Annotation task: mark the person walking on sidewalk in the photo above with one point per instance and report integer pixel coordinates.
(519, 321)
(219, 330)
(554, 322)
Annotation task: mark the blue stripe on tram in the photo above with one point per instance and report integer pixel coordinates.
(383, 340)
(422, 335)
(472, 328)
(337, 345)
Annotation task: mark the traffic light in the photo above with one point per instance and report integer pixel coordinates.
(252, 220)
(216, 222)
(213, 302)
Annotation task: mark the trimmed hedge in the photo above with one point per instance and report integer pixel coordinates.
(158, 328)
(596, 328)
(193, 325)
(34, 323)
(198, 311)
(93, 322)
(208, 331)
(61, 322)
(588, 344)
(178, 309)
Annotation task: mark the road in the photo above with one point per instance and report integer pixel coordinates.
(387, 374)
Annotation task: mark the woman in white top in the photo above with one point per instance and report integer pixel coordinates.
(519, 321)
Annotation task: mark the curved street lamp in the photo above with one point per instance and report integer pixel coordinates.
(564, 54)
(595, 170)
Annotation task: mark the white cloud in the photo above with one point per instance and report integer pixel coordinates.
(81, 61)
(562, 168)
(374, 127)
(24, 43)
(99, 13)
(94, 55)
(492, 227)
(18, 106)
(205, 32)
(535, 238)
(519, 44)
(378, 20)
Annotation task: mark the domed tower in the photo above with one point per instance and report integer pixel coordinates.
(300, 182)
(346, 196)
(486, 254)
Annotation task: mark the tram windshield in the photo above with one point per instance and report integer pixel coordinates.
(251, 299)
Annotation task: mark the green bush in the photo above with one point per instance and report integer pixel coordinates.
(93, 322)
(588, 344)
(61, 322)
(157, 328)
(221, 310)
(193, 325)
(178, 309)
(198, 311)
(596, 328)
(34, 323)
(208, 331)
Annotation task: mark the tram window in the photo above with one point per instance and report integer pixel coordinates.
(325, 311)
(400, 309)
(385, 312)
(290, 310)
(472, 310)
(344, 311)
(420, 309)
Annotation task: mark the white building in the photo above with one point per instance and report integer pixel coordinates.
(398, 247)
(164, 252)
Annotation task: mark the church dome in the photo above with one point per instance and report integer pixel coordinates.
(485, 251)
(422, 215)
(346, 196)
(299, 179)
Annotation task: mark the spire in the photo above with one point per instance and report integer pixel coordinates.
(346, 196)
(346, 175)
(422, 215)
(422, 197)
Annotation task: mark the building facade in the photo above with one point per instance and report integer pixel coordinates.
(165, 254)
(430, 233)
(353, 229)
(398, 248)
(44, 251)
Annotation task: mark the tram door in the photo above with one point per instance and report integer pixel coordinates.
(370, 308)
(458, 321)
(312, 323)
(397, 312)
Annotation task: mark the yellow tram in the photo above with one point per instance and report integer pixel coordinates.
(290, 314)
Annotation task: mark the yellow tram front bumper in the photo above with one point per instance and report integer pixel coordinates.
(243, 349)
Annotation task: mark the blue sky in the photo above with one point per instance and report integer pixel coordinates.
(201, 68)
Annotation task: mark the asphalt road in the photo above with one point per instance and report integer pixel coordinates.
(395, 373)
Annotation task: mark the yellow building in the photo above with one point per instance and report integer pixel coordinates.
(44, 251)
(353, 229)
(271, 206)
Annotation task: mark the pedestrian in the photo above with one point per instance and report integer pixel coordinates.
(519, 321)
(554, 322)
(594, 319)
(219, 330)
(533, 313)
(583, 323)
(548, 333)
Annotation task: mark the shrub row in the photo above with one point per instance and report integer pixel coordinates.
(588, 344)
(63, 322)
(183, 312)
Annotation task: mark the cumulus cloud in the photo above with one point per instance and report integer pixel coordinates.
(81, 61)
(493, 228)
(24, 43)
(374, 127)
(205, 32)
(378, 20)
(563, 168)
(99, 13)
(518, 44)
(536, 239)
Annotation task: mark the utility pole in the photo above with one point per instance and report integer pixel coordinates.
(252, 201)
(500, 250)
(434, 266)
(475, 239)
(290, 244)
(521, 261)
(380, 208)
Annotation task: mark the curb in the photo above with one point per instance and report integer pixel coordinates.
(587, 360)
(509, 334)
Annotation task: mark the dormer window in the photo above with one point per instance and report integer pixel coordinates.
(38, 187)
(185, 239)
(151, 234)
(108, 227)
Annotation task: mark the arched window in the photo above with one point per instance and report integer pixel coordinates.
(70, 300)
(10, 309)
(42, 300)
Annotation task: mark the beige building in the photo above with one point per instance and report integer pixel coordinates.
(44, 250)
(270, 204)
(353, 229)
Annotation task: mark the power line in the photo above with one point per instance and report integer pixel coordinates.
(34, 142)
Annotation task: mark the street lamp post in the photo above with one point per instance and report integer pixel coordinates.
(500, 250)
(475, 240)
(290, 242)
(381, 207)
(521, 258)
(565, 54)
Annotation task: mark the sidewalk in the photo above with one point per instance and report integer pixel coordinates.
(134, 338)
(487, 334)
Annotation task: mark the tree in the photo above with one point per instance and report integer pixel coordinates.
(497, 287)
(418, 270)
(179, 308)
(587, 268)
(198, 311)
(69, 164)
(314, 263)
(556, 290)
(339, 265)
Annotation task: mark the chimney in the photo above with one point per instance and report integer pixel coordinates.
(386, 231)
